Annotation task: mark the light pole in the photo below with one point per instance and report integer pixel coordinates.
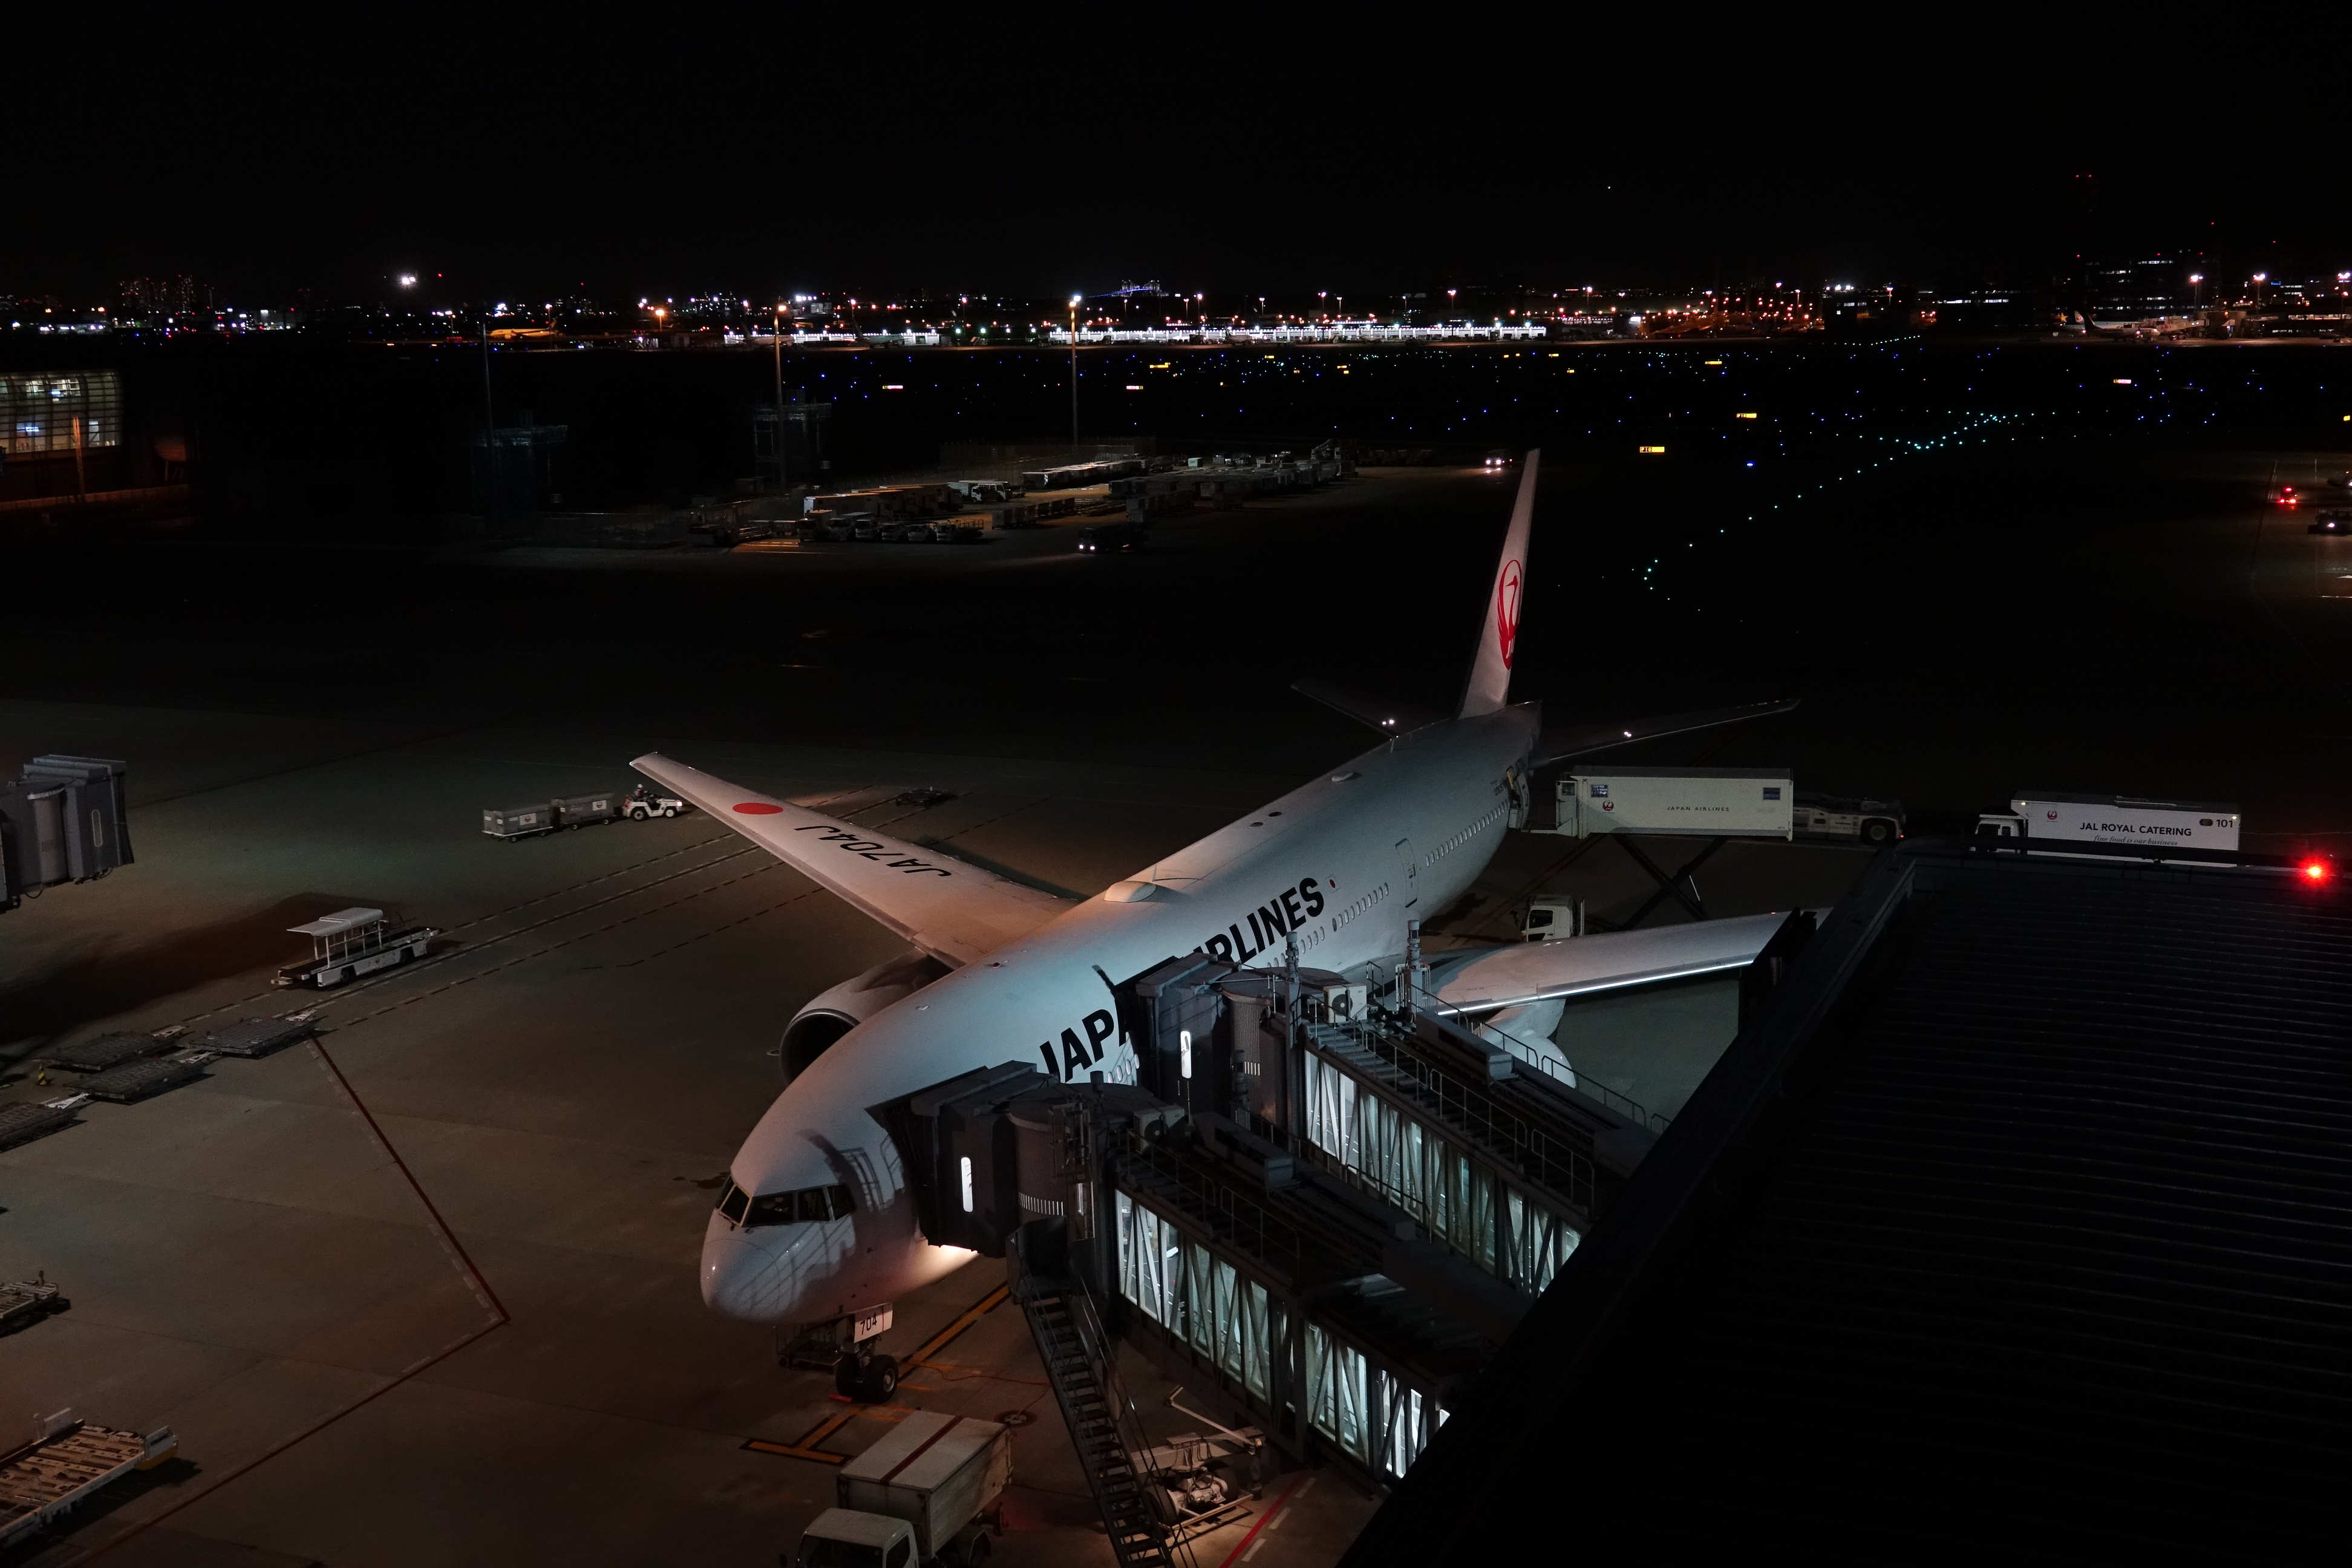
(777, 438)
(2197, 290)
(1074, 375)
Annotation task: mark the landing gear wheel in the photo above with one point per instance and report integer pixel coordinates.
(881, 1380)
(846, 1377)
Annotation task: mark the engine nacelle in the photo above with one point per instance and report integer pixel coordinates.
(833, 1014)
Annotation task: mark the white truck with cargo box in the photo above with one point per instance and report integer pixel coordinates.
(914, 1498)
(2057, 820)
(1701, 803)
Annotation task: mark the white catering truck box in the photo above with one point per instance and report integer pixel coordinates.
(1708, 803)
(2122, 819)
(930, 1479)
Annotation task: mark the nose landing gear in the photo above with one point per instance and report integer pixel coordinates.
(863, 1375)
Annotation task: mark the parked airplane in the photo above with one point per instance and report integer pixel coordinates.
(816, 1221)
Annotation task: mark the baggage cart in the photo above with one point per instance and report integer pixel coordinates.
(520, 821)
(68, 1462)
(23, 1123)
(142, 1080)
(109, 1050)
(252, 1038)
(27, 1301)
(579, 810)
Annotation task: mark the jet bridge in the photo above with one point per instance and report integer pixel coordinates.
(1330, 1216)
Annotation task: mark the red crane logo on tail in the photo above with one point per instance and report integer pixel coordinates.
(1507, 610)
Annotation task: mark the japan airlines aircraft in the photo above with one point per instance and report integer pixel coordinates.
(817, 1222)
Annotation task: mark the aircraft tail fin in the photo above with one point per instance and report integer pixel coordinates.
(1490, 673)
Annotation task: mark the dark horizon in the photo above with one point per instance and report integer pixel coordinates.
(1345, 178)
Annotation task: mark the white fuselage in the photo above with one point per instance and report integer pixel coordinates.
(1343, 862)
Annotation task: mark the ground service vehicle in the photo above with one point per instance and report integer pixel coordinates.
(1872, 822)
(1706, 803)
(916, 1497)
(2061, 819)
(2334, 521)
(642, 803)
(1109, 538)
(352, 942)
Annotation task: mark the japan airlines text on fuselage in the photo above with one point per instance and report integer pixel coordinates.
(1342, 862)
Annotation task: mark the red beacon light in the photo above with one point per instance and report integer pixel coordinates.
(2315, 870)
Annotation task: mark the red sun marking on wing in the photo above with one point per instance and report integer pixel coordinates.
(758, 808)
(1507, 610)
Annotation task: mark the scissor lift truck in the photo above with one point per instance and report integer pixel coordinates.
(352, 942)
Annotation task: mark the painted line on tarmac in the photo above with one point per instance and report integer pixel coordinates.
(1263, 1520)
(567, 942)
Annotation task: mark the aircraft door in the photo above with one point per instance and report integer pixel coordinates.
(1411, 887)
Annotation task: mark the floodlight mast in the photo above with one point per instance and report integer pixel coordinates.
(776, 440)
(1074, 375)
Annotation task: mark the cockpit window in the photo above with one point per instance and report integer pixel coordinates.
(802, 1207)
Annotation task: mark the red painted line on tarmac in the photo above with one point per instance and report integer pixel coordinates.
(489, 1296)
(1243, 1545)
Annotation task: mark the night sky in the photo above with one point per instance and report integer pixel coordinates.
(1202, 158)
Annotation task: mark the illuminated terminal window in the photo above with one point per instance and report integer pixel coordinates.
(57, 412)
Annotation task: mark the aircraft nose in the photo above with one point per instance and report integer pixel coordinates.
(756, 1273)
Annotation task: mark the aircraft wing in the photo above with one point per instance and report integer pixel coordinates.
(1576, 741)
(951, 909)
(1547, 971)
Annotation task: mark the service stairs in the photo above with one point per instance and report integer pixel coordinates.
(1076, 1354)
(1333, 1041)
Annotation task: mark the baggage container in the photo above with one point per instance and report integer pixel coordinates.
(578, 810)
(520, 821)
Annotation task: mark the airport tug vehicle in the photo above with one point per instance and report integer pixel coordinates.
(642, 803)
(355, 941)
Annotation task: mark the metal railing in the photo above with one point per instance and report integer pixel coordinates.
(1553, 1065)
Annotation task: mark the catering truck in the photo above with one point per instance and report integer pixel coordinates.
(915, 1497)
(1703, 803)
(2057, 820)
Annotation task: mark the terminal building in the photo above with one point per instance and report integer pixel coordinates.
(2016, 1222)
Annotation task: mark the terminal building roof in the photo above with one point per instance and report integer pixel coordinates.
(2020, 1218)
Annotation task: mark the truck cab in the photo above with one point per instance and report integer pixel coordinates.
(844, 1538)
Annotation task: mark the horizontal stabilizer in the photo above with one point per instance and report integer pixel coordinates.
(1576, 741)
(1388, 718)
(954, 911)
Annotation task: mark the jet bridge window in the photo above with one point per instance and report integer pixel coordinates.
(802, 1207)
